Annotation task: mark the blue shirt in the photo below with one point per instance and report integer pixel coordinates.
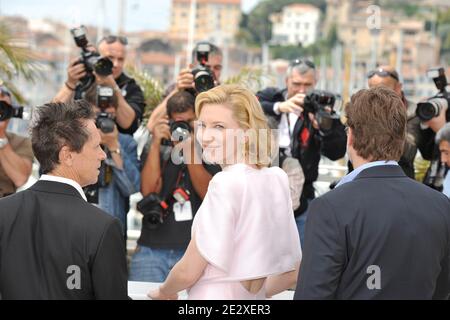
(352, 175)
(114, 198)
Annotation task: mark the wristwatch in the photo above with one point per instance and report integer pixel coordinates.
(3, 142)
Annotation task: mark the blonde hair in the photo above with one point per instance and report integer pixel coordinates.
(248, 113)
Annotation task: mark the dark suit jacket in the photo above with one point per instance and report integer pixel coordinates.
(382, 219)
(50, 237)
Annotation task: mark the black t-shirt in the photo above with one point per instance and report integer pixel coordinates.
(172, 234)
(132, 94)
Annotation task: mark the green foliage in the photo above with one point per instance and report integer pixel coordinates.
(153, 91)
(252, 78)
(14, 61)
(404, 6)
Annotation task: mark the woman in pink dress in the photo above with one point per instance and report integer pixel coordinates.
(245, 243)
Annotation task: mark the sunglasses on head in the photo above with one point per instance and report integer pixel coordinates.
(301, 61)
(383, 73)
(112, 39)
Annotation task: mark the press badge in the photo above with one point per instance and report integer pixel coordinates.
(183, 212)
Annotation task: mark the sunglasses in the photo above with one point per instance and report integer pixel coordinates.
(383, 73)
(112, 39)
(301, 61)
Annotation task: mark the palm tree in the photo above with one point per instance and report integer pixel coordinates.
(14, 61)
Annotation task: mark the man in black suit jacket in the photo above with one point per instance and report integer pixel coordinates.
(379, 234)
(53, 244)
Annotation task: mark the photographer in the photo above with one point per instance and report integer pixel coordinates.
(443, 141)
(416, 137)
(119, 174)
(172, 193)
(434, 113)
(300, 133)
(16, 155)
(212, 60)
(130, 99)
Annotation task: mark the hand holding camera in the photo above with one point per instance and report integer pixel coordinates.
(90, 59)
(294, 104)
(434, 112)
(105, 80)
(185, 79)
(161, 131)
(436, 123)
(75, 73)
(111, 139)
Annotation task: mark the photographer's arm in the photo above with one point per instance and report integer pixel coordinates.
(75, 72)
(184, 81)
(17, 168)
(151, 172)
(200, 177)
(151, 175)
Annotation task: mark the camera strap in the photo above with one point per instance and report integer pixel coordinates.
(182, 207)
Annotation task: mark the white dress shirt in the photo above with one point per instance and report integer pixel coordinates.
(285, 127)
(46, 177)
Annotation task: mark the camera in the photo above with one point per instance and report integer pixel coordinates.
(105, 121)
(8, 111)
(432, 107)
(154, 209)
(91, 59)
(203, 76)
(315, 102)
(179, 131)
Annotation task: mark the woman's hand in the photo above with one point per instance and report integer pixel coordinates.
(158, 294)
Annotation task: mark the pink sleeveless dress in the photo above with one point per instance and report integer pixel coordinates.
(245, 229)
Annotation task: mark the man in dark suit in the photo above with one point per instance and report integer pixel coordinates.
(379, 234)
(53, 244)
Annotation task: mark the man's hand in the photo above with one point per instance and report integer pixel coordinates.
(105, 81)
(75, 72)
(110, 140)
(314, 122)
(437, 122)
(157, 294)
(185, 79)
(161, 129)
(3, 126)
(294, 104)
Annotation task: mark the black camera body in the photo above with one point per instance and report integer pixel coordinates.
(179, 131)
(7, 111)
(316, 102)
(154, 209)
(105, 121)
(431, 108)
(91, 59)
(203, 76)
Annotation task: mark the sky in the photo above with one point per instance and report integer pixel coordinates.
(141, 14)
